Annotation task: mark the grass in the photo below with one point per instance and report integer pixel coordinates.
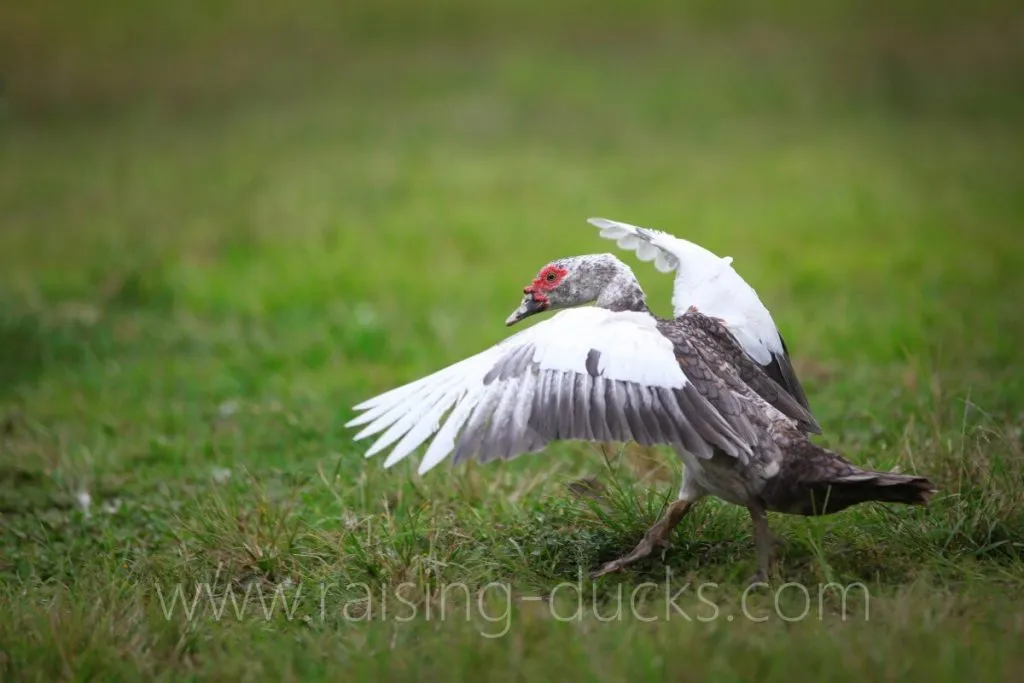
(223, 228)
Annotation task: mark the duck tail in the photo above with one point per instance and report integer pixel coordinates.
(819, 482)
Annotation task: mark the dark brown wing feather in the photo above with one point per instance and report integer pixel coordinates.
(781, 370)
(718, 383)
(719, 349)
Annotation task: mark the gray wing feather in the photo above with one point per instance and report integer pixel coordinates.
(524, 407)
(499, 436)
(599, 412)
(615, 402)
(633, 408)
(572, 406)
(582, 423)
(688, 436)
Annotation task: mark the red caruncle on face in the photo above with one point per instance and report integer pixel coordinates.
(549, 277)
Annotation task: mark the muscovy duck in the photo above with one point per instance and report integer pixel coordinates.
(614, 372)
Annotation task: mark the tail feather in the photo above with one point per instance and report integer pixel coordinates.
(821, 482)
(878, 486)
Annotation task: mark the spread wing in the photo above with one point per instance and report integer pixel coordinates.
(710, 284)
(583, 374)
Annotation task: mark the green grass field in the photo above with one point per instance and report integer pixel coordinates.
(220, 228)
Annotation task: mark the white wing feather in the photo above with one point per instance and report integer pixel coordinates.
(705, 281)
(630, 346)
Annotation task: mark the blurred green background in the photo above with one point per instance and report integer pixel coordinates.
(322, 155)
(222, 224)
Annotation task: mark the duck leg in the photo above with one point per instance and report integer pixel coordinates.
(656, 537)
(765, 543)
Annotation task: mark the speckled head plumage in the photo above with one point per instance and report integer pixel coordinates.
(577, 280)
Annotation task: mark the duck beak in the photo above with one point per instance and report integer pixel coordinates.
(528, 307)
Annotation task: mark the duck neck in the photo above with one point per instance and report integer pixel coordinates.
(621, 290)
